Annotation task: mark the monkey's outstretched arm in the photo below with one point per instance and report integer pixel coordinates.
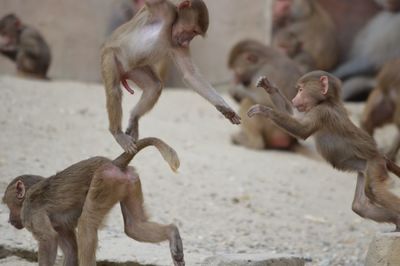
(300, 129)
(278, 98)
(193, 78)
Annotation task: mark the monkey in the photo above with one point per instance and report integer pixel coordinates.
(289, 44)
(125, 12)
(345, 146)
(249, 59)
(281, 13)
(315, 30)
(158, 30)
(383, 104)
(25, 46)
(80, 197)
(377, 43)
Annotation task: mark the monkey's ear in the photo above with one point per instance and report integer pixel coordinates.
(20, 189)
(185, 4)
(252, 58)
(325, 84)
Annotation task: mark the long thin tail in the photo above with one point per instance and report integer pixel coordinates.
(168, 153)
(393, 167)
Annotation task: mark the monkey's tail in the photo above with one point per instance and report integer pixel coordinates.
(168, 153)
(393, 167)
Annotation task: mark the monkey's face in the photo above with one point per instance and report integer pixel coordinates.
(304, 100)
(288, 43)
(281, 11)
(244, 68)
(14, 204)
(9, 30)
(185, 29)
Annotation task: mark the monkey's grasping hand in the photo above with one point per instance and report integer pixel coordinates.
(259, 109)
(126, 142)
(264, 83)
(229, 113)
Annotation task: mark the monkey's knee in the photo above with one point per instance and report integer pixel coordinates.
(359, 208)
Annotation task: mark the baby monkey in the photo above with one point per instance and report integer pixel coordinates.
(345, 146)
(159, 29)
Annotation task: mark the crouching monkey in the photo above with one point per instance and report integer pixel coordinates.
(159, 29)
(50, 207)
(345, 146)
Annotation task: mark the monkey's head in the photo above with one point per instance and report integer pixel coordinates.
(315, 88)
(281, 11)
(390, 5)
(14, 197)
(10, 26)
(192, 20)
(288, 42)
(245, 59)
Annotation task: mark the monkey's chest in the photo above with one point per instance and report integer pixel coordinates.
(335, 149)
(146, 45)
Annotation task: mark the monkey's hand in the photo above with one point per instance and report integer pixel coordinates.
(229, 113)
(126, 142)
(264, 83)
(259, 109)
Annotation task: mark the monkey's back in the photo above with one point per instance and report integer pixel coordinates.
(66, 190)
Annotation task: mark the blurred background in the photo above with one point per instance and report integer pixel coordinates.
(75, 31)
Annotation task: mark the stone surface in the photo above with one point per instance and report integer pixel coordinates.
(384, 250)
(254, 260)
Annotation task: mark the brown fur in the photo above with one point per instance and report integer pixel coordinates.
(158, 30)
(383, 105)
(250, 59)
(345, 146)
(50, 207)
(316, 32)
(25, 46)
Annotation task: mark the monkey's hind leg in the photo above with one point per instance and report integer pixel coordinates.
(111, 79)
(376, 188)
(151, 86)
(139, 228)
(366, 209)
(106, 189)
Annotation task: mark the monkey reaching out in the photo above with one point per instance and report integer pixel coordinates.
(345, 146)
(81, 196)
(25, 46)
(160, 28)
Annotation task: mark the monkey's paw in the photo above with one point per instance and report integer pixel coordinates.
(230, 114)
(259, 109)
(126, 142)
(264, 83)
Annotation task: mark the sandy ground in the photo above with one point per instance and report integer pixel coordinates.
(225, 199)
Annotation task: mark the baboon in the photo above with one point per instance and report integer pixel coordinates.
(158, 30)
(249, 59)
(81, 196)
(345, 146)
(25, 46)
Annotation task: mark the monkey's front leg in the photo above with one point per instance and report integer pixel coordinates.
(278, 98)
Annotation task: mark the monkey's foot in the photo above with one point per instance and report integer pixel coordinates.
(126, 142)
(176, 248)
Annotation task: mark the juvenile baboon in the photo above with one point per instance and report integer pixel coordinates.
(248, 60)
(25, 46)
(81, 196)
(345, 146)
(158, 30)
